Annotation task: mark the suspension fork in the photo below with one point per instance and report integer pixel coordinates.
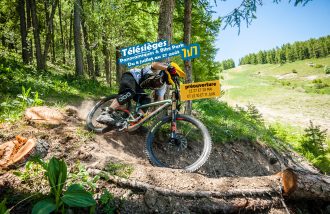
(173, 116)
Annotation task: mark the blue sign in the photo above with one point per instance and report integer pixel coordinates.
(155, 51)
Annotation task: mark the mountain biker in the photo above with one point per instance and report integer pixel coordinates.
(155, 76)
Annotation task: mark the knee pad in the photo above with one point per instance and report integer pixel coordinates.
(144, 101)
(125, 96)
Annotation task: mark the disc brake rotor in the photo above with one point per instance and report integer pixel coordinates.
(180, 142)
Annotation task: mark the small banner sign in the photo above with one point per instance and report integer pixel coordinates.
(200, 90)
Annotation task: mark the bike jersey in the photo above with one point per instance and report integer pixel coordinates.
(137, 72)
(147, 70)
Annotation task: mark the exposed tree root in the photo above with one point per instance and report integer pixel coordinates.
(291, 183)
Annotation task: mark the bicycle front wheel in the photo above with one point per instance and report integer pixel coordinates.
(189, 150)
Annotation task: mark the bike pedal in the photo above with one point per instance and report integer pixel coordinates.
(105, 109)
(122, 126)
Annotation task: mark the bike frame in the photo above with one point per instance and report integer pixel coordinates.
(164, 104)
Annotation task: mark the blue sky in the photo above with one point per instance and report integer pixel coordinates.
(275, 25)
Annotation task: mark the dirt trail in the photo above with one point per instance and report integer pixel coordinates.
(226, 163)
(233, 159)
(293, 115)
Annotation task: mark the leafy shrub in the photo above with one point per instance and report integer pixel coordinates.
(285, 83)
(294, 71)
(107, 201)
(52, 84)
(314, 140)
(25, 99)
(11, 108)
(58, 199)
(79, 174)
(322, 162)
(317, 81)
(286, 133)
(318, 66)
(254, 113)
(319, 84)
(327, 69)
(32, 175)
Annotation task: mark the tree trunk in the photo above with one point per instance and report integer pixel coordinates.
(110, 68)
(106, 54)
(29, 25)
(89, 55)
(119, 67)
(289, 183)
(97, 65)
(165, 22)
(36, 34)
(77, 38)
(53, 45)
(70, 34)
(21, 12)
(49, 28)
(299, 184)
(46, 2)
(61, 28)
(165, 27)
(187, 41)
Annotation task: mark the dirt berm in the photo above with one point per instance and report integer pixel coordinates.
(238, 177)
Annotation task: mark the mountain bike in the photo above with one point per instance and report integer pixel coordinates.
(174, 141)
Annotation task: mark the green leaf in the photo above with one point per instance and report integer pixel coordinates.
(3, 208)
(43, 207)
(53, 172)
(77, 197)
(75, 187)
(57, 174)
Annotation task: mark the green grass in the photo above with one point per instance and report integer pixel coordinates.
(297, 76)
(119, 169)
(54, 87)
(276, 87)
(315, 149)
(289, 94)
(227, 124)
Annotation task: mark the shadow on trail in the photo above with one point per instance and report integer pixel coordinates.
(238, 158)
(226, 160)
(242, 159)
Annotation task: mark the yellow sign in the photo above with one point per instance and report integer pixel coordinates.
(200, 90)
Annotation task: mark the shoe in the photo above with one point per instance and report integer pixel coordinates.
(106, 118)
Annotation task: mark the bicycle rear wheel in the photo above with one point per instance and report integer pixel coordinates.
(189, 151)
(91, 122)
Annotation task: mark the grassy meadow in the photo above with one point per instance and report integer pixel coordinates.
(293, 93)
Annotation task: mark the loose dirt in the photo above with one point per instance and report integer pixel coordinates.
(70, 140)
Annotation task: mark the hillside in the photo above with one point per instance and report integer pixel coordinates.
(293, 99)
(293, 93)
